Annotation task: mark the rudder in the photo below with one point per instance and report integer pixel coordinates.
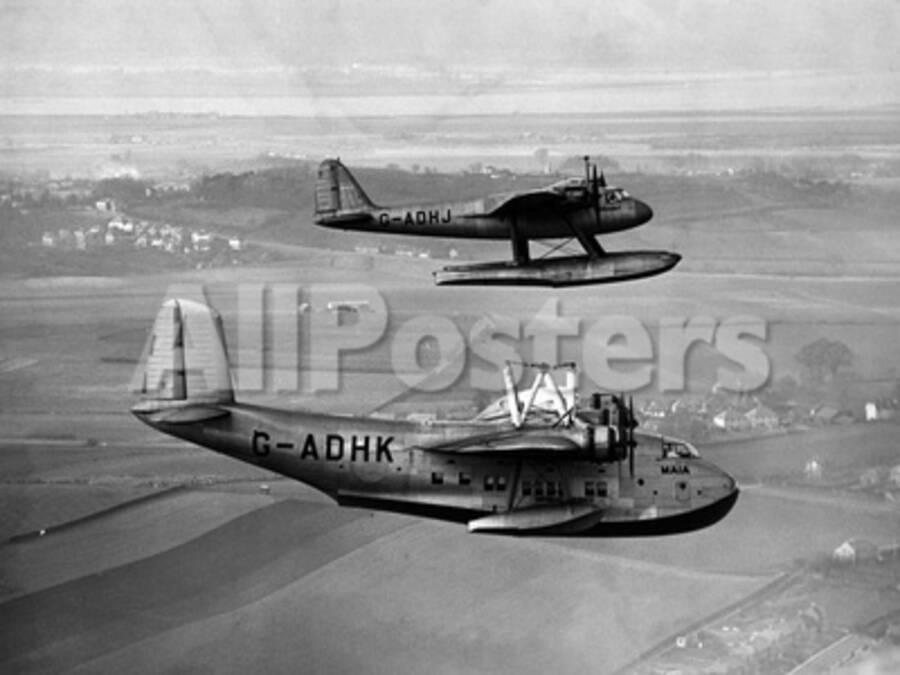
(185, 358)
(338, 192)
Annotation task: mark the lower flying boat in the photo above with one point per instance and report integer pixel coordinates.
(535, 462)
(578, 208)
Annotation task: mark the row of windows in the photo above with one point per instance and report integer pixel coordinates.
(493, 483)
(497, 483)
(551, 489)
(595, 489)
(539, 489)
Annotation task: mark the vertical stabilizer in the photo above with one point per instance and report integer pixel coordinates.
(337, 191)
(185, 358)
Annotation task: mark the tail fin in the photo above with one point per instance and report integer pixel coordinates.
(338, 193)
(185, 359)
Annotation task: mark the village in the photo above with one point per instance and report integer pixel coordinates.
(819, 617)
(720, 415)
(121, 230)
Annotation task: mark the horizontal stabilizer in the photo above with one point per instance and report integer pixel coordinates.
(611, 267)
(552, 519)
(180, 414)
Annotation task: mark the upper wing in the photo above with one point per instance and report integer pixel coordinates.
(511, 441)
(544, 198)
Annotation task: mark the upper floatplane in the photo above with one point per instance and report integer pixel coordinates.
(574, 208)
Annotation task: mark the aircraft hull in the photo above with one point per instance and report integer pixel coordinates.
(559, 272)
(426, 221)
(587, 526)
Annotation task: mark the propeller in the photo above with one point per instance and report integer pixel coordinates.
(631, 425)
(595, 183)
(591, 246)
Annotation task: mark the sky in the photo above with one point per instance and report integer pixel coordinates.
(246, 48)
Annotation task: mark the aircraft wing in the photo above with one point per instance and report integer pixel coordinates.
(502, 205)
(510, 442)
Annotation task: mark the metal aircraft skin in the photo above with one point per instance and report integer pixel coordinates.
(578, 208)
(536, 462)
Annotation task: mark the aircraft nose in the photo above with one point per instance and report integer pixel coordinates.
(642, 212)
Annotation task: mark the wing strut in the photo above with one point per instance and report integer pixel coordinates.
(521, 256)
(514, 486)
(591, 246)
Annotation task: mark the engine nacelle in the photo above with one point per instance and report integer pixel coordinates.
(608, 429)
(602, 443)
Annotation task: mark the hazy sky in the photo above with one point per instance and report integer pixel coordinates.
(142, 47)
(676, 34)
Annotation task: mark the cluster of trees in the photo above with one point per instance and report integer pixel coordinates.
(824, 358)
(288, 188)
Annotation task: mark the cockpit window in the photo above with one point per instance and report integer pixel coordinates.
(614, 195)
(674, 448)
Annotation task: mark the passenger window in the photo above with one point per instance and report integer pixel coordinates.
(465, 478)
(589, 488)
(601, 488)
(551, 489)
(539, 488)
(501, 483)
(488, 483)
(437, 478)
(526, 488)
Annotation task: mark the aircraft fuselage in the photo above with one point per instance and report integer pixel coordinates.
(380, 464)
(466, 220)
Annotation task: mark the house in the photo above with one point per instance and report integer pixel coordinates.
(654, 409)
(894, 476)
(881, 410)
(855, 550)
(813, 469)
(824, 414)
(844, 417)
(201, 240)
(871, 411)
(690, 405)
(869, 478)
(762, 417)
(731, 420)
(845, 553)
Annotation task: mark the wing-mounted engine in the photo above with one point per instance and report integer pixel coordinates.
(603, 431)
(607, 428)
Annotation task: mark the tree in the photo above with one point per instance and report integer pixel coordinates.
(823, 358)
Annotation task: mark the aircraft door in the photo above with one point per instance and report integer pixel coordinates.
(682, 491)
(496, 486)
